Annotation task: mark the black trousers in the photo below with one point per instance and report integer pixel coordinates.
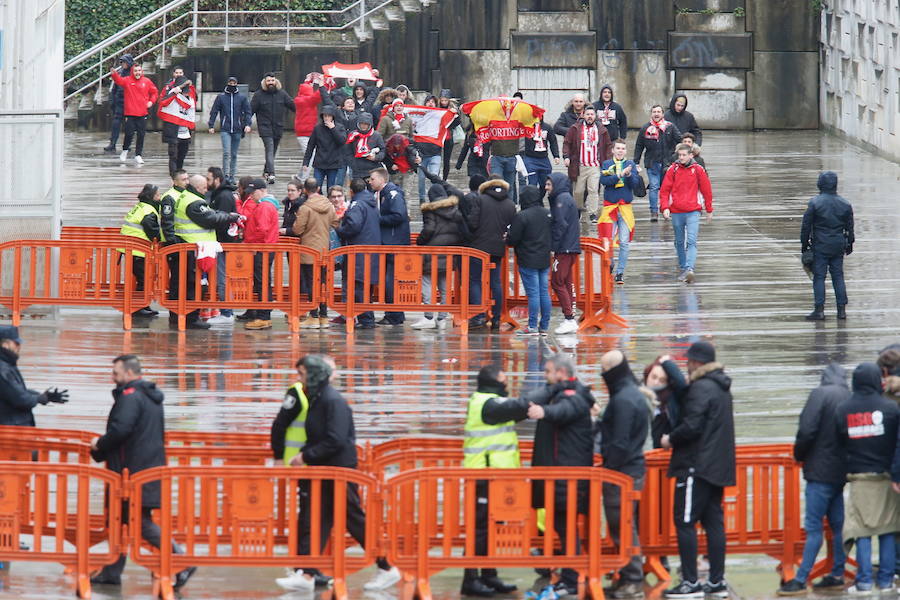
(481, 530)
(633, 572)
(448, 153)
(115, 129)
(567, 575)
(306, 285)
(135, 125)
(392, 317)
(177, 152)
(265, 315)
(270, 144)
(149, 531)
(190, 281)
(698, 500)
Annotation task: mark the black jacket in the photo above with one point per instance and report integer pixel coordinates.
(362, 166)
(529, 232)
(222, 199)
(625, 423)
(490, 215)
(612, 115)
(828, 221)
(867, 424)
(817, 445)
(328, 144)
(477, 164)
(289, 213)
(703, 440)
(566, 119)
(135, 434)
(671, 401)
(684, 120)
(269, 106)
(330, 434)
(167, 215)
(16, 400)
(440, 222)
(550, 144)
(658, 150)
(393, 215)
(203, 215)
(565, 228)
(116, 93)
(360, 227)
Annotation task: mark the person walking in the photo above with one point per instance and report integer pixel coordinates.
(325, 148)
(656, 141)
(867, 426)
(682, 118)
(139, 95)
(703, 464)
(431, 157)
(329, 439)
(680, 192)
(585, 147)
(394, 220)
(143, 222)
(134, 440)
(611, 114)
(689, 139)
(530, 235)
(117, 103)
(827, 230)
(313, 225)
(818, 448)
(572, 114)
(619, 177)
(623, 431)
(236, 116)
(269, 104)
(502, 165)
(223, 197)
(306, 115)
(536, 154)
(566, 246)
(177, 110)
(366, 148)
(261, 227)
(446, 100)
(360, 226)
(16, 400)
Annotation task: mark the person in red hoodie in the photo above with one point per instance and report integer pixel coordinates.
(140, 94)
(306, 116)
(261, 227)
(680, 200)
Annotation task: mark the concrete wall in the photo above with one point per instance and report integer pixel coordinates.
(860, 72)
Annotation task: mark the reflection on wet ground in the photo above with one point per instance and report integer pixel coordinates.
(749, 299)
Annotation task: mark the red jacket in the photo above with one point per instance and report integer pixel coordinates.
(682, 187)
(306, 101)
(138, 92)
(263, 221)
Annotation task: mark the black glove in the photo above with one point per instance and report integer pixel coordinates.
(432, 178)
(55, 395)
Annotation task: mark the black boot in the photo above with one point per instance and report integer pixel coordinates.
(489, 578)
(818, 313)
(842, 312)
(473, 586)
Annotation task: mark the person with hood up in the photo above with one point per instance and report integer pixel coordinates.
(315, 219)
(366, 148)
(134, 440)
(306, 114)
(827, 230)
(261, 228)
(143, 223)
(139, 94)
(666, 381)
(683, 185)
(703, 464)
(536, 154)
(531, 237)
(117, 103)
(682, 118)
(585, 147)
(573, 113)
(385, 97)
(867, 425)
(611, 114)
(656, 140)
(623, 431)
(490, 214)
(817, 447)
(619, 177)
(269, 104)
(236, 118)
(325, 149)
(16, 400)
(177, 110)
(364, 97)
(566, 246)
(360, 226)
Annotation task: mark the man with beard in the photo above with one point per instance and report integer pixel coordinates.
(268, 104)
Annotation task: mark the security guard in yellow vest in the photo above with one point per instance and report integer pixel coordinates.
(194, 221)
(293, 437)
(142, 222)
(167, 205)
(490, 442)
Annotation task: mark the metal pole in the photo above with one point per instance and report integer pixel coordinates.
(165, 21)
(194, 31)
(226, 25)
(362, 19)
(287, 39)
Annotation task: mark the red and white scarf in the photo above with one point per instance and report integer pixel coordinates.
(362, 142)
(655, 128)
(590, 137)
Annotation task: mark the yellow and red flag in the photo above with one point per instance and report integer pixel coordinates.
(502, 119)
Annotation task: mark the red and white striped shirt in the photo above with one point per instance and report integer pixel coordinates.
(590, 137)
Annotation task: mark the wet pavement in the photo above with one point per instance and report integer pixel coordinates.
(749, 299)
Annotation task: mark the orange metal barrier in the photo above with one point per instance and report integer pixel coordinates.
(432, 521)
(61, 507)
(240, 526)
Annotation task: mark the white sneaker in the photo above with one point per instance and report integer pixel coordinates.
(424, 323)
(444, 323)
(567, 326)
(138, 159)
(221, 320)
(297, 581)
(384, 579)
(123, 156)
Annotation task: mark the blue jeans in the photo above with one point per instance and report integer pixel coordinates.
(654, 177)
(230, 144)
(886, 560)
(822, 500)
(504, 167)
(829, 264)
(686, 227)
(496, 288)
(329, 176)
(341, 176)
(220, 283)
(536, 289)
(539, 170)
(433, 165)
(624, 244)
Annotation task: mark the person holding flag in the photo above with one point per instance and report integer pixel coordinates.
(177, 109)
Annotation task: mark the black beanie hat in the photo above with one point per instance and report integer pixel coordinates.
(475, 182)
(702, 352)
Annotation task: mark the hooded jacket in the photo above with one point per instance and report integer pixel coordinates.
(269, 107)
(234, 109)
(116, 95)
(440, 220)
(135, 434)
(136, 93)
(16, 400)
(313, 224)
(867, 424)
(360, 166)
(572, 147)
(544, 147)
(703, 440)
(306, 112)
(682, 188)
(611, 115)
(565, 227)
(684, 120)
(490, 215)
(360, 227)
(330, 433)
(817, 445)
(393, 216)
(529, 232)
(656, 148)
(827, 225)
(625, 423)
(223, 199)
(327, 144)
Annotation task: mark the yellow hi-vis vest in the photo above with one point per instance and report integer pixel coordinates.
(185, 228)
(295, 436)
(132, 224)
(486, 445)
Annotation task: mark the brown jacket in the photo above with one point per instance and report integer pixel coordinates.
(572, 147)
(315, 218)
